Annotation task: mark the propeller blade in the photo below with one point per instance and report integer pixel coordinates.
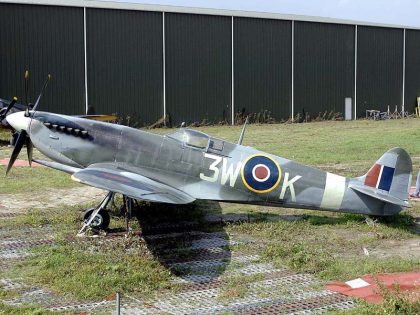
(29, 150)
(9, 107)
(18, 146)
(42, 92)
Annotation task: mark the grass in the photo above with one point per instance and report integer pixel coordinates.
(5, 136)
(86, 274)
(237, 287)
(92, 268)
(33, 180)
(329, 245)
(25, 309)
(87, 268)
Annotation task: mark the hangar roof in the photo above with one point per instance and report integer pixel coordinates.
(179, 9)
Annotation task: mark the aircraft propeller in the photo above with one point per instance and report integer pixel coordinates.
(23, 137)
(9, 107)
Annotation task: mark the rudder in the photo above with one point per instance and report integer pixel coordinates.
(391, 173)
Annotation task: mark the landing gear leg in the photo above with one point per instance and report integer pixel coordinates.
(98, 214)
(127, 210)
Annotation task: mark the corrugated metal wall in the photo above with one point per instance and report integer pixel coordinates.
(125, 63)
(198, 67)
(125, 67)
(379, 68)
(323, 67)
(262, 65)
(43, 39)
(412, 69)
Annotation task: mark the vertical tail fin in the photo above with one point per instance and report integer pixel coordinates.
(391, 174)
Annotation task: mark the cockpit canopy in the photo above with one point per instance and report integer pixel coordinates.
(191, 138)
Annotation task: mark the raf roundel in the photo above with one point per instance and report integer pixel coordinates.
(260, 173)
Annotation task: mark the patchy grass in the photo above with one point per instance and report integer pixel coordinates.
(5, 136)
(88, 268)
(33, 180)
(25, 309)
(330, 245)
(350, 268)
(94, 268)
(7, 294)
(62, 221)
(94, 271)
(237, 287)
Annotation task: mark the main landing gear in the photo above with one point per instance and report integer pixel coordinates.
(99, 218)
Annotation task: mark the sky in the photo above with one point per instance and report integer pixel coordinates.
(398, 12)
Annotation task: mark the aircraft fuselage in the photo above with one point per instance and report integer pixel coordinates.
(199, 165)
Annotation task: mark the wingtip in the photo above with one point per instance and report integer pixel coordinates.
(407, 204)
(75, 179)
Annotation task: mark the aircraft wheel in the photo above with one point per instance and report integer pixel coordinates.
(101, 220)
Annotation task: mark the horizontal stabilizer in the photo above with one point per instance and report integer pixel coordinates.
(380, 195)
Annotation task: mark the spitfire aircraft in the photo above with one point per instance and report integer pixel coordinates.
(187, 165)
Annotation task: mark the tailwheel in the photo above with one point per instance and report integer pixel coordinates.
(100, 221)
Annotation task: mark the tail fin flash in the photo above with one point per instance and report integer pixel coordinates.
(389, 178)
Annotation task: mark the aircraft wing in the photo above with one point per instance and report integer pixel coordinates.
(108, 177)
(378, 194)
(59, 166)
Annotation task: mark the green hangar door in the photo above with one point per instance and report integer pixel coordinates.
(412, 69)
(125, 64)
(198, 68)
(44, 40)
(323, 67)
(262, 67)
(379, 68)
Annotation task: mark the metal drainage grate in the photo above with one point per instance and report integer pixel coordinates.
(306, 306)
(8, 214)
(20, 244)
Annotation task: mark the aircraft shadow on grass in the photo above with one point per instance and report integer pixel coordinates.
(184, 241)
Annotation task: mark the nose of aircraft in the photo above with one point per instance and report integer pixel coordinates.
(18, 121)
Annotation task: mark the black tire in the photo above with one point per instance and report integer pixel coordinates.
(101, 220)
